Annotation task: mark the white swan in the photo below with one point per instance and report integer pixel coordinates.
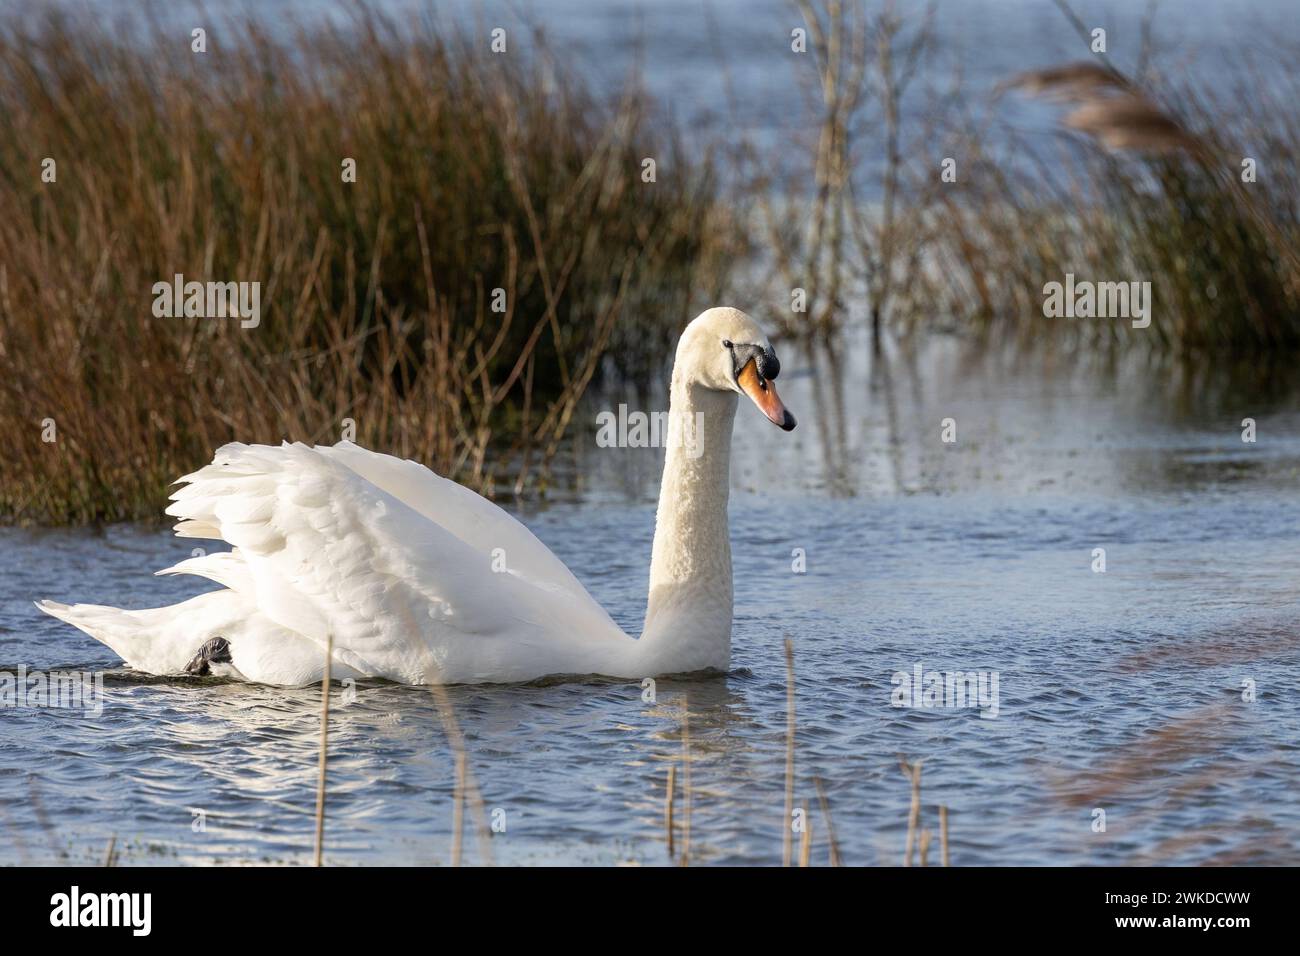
(397, 564)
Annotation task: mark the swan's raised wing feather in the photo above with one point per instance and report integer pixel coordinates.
(330, 551)
(470, 517)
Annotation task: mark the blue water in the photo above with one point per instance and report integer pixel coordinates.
(725, 68)
(1119, 691)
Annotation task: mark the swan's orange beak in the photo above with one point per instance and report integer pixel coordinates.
(763, 393)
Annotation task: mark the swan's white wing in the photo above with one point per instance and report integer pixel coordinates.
(330, 552)
(470, 517)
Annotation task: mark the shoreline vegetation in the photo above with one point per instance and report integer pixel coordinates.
(499, 251)
(456, 299)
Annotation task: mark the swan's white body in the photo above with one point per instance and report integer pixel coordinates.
(419, 580)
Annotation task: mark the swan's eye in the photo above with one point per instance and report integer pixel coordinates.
(726, 343)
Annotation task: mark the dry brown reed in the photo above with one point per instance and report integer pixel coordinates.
(42, 819)
(669, 796)
(787, 835)
(324, 749)
(474, 173)
(913, 773)
(466, 783)
(687, 795)
(806, 840)
(832, 844)
(864, 60)
(458, 810)
(943, 834)
(16, 835)
(1152, 190)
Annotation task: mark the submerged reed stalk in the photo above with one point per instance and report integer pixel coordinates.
(668, 806)
(686, 788)
(830, 826)
(456, 740)
(805, 840)
(458, 811)
(913, 772)
(19, 844)
(324, 747)
(38, 808)
(943, 834)
(109, 859)
(787, 837)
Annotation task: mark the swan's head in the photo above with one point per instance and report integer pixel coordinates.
(725, 350)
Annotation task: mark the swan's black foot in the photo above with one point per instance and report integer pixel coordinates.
(215, 651)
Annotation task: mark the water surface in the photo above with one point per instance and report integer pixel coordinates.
(1119, 691)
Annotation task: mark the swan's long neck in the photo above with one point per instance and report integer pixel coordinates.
(688, 615)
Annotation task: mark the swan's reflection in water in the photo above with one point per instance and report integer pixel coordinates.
(556, 758)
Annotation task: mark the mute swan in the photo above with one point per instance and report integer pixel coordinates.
(402, 566)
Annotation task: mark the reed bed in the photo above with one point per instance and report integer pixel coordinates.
(1144, 183)
(499, 251)
(379, 319)
(1151, 191)
(830, 249)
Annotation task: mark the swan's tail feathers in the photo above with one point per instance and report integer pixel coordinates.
(108, 625)
(140, 638)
